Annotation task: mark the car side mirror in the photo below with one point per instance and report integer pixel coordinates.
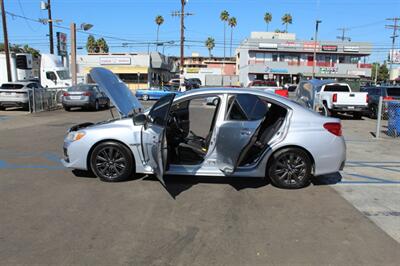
(139, 119)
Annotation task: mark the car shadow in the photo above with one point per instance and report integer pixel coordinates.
(347, 117)
(329, 179)
(175, 185)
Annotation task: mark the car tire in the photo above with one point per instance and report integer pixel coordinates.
(357, 115)
(290, 168)
(66, 108)
(112, 162)
(373, 112)
(145, 97)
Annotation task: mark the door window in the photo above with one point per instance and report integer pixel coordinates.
(246, 107)
(159, 112)
(51, 75)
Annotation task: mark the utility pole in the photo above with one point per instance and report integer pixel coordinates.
(73, 53)
(6, 48)
(315, 47)
(343, 36)
(50, 27)
(395, 27)
(182, 15)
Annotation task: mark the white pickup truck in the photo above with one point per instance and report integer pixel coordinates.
(338, 98)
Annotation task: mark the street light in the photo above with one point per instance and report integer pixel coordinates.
(315, 47)
(84, 27)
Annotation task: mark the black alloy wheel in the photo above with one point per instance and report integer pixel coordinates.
(112, 162)
(145, 97)
(290, 168)
(373, 112)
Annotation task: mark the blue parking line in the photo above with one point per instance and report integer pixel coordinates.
(6, 165)
(372, 180)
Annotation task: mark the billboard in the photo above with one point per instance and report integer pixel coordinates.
(62, 44)
(394, 56)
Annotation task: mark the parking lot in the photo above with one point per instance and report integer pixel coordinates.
(50, 215)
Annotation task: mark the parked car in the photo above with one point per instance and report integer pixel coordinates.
(176, 82)
(291, 87)
(18, 94)
(154, 93)
(196, 82)
(269, 86)
(330, 97)
(374, 93)
(251, 136)
(87, 96)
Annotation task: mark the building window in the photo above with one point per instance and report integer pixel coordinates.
(133, 78)
(275, 58)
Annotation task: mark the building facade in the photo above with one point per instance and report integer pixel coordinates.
(137, 70)
(281, 57)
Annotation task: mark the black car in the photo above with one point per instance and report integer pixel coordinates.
(387, 92)
(196, 82)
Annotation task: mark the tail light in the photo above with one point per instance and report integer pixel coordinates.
(334, 128)
(283, 93)
(87, 93)
(388, 98)
(367, 98)
(65, 94)
(334, 97)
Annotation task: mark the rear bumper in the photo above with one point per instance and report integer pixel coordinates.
(350, 108)
(76, 103)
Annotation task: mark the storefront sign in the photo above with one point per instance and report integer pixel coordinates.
(351, 48)
(115, 60)
(276, 70)
(330, 48)
(289, 45)
(328, 70)
(193, 70)
(309, 46)
(394, 56)
(61, 43)
(268, 45)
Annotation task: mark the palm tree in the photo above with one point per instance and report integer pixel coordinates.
(210, 44)
(286, 20)
(102, 46)
(224, 16)
(91, 44)
(268, 19)
(232, 23)
(159, 21)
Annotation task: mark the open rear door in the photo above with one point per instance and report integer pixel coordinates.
(238, 132)
(154, 141)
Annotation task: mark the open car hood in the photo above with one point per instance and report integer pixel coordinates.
(116, 90)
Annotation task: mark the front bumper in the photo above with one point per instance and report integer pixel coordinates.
(75, 155)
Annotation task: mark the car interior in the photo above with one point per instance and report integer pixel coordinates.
(188, 143)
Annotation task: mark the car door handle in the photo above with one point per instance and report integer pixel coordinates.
(245, 132)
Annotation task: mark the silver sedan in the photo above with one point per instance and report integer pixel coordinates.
(252, 134)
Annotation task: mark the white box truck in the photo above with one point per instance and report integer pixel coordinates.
(53, 74)
(20, 65)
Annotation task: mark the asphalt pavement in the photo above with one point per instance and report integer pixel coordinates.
(51, 215)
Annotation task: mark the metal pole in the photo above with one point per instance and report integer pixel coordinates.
(376, 72)
(6, 48)
(315, 47)
(50, 27)
(181, 78)
(73, 53)
(379, 118)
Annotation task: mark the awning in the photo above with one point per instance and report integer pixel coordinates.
(122, 69)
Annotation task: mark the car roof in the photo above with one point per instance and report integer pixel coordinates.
(205, 91)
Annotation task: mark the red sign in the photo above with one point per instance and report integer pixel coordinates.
(310, 46)
(331, 48)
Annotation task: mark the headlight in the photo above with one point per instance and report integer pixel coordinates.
(75, 135)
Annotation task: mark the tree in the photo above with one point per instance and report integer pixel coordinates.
(159, 21)
(224, 16)
(286, 20)
(91, 45)
(232, 23)
(102, 46)
(16, 48)
(210, 44)
(383, 72)
(268, 19)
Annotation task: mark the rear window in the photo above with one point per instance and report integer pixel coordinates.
(12, 86)
(393, 91)
(79, 88)
(337, 88)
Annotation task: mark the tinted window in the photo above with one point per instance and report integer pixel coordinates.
(393, 91)
(338, 88)
(51, 76)
(247, 107)
(12, 86)
(79, 88)
(159, 112)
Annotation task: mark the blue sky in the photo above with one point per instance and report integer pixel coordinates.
(133, 21)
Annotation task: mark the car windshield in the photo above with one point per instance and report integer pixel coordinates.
(337, 88)
(393, 91)
(63, 74)
(11, 86)
(263, 83)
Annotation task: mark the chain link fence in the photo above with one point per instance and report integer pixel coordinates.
(388, 119)
(45, 99)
